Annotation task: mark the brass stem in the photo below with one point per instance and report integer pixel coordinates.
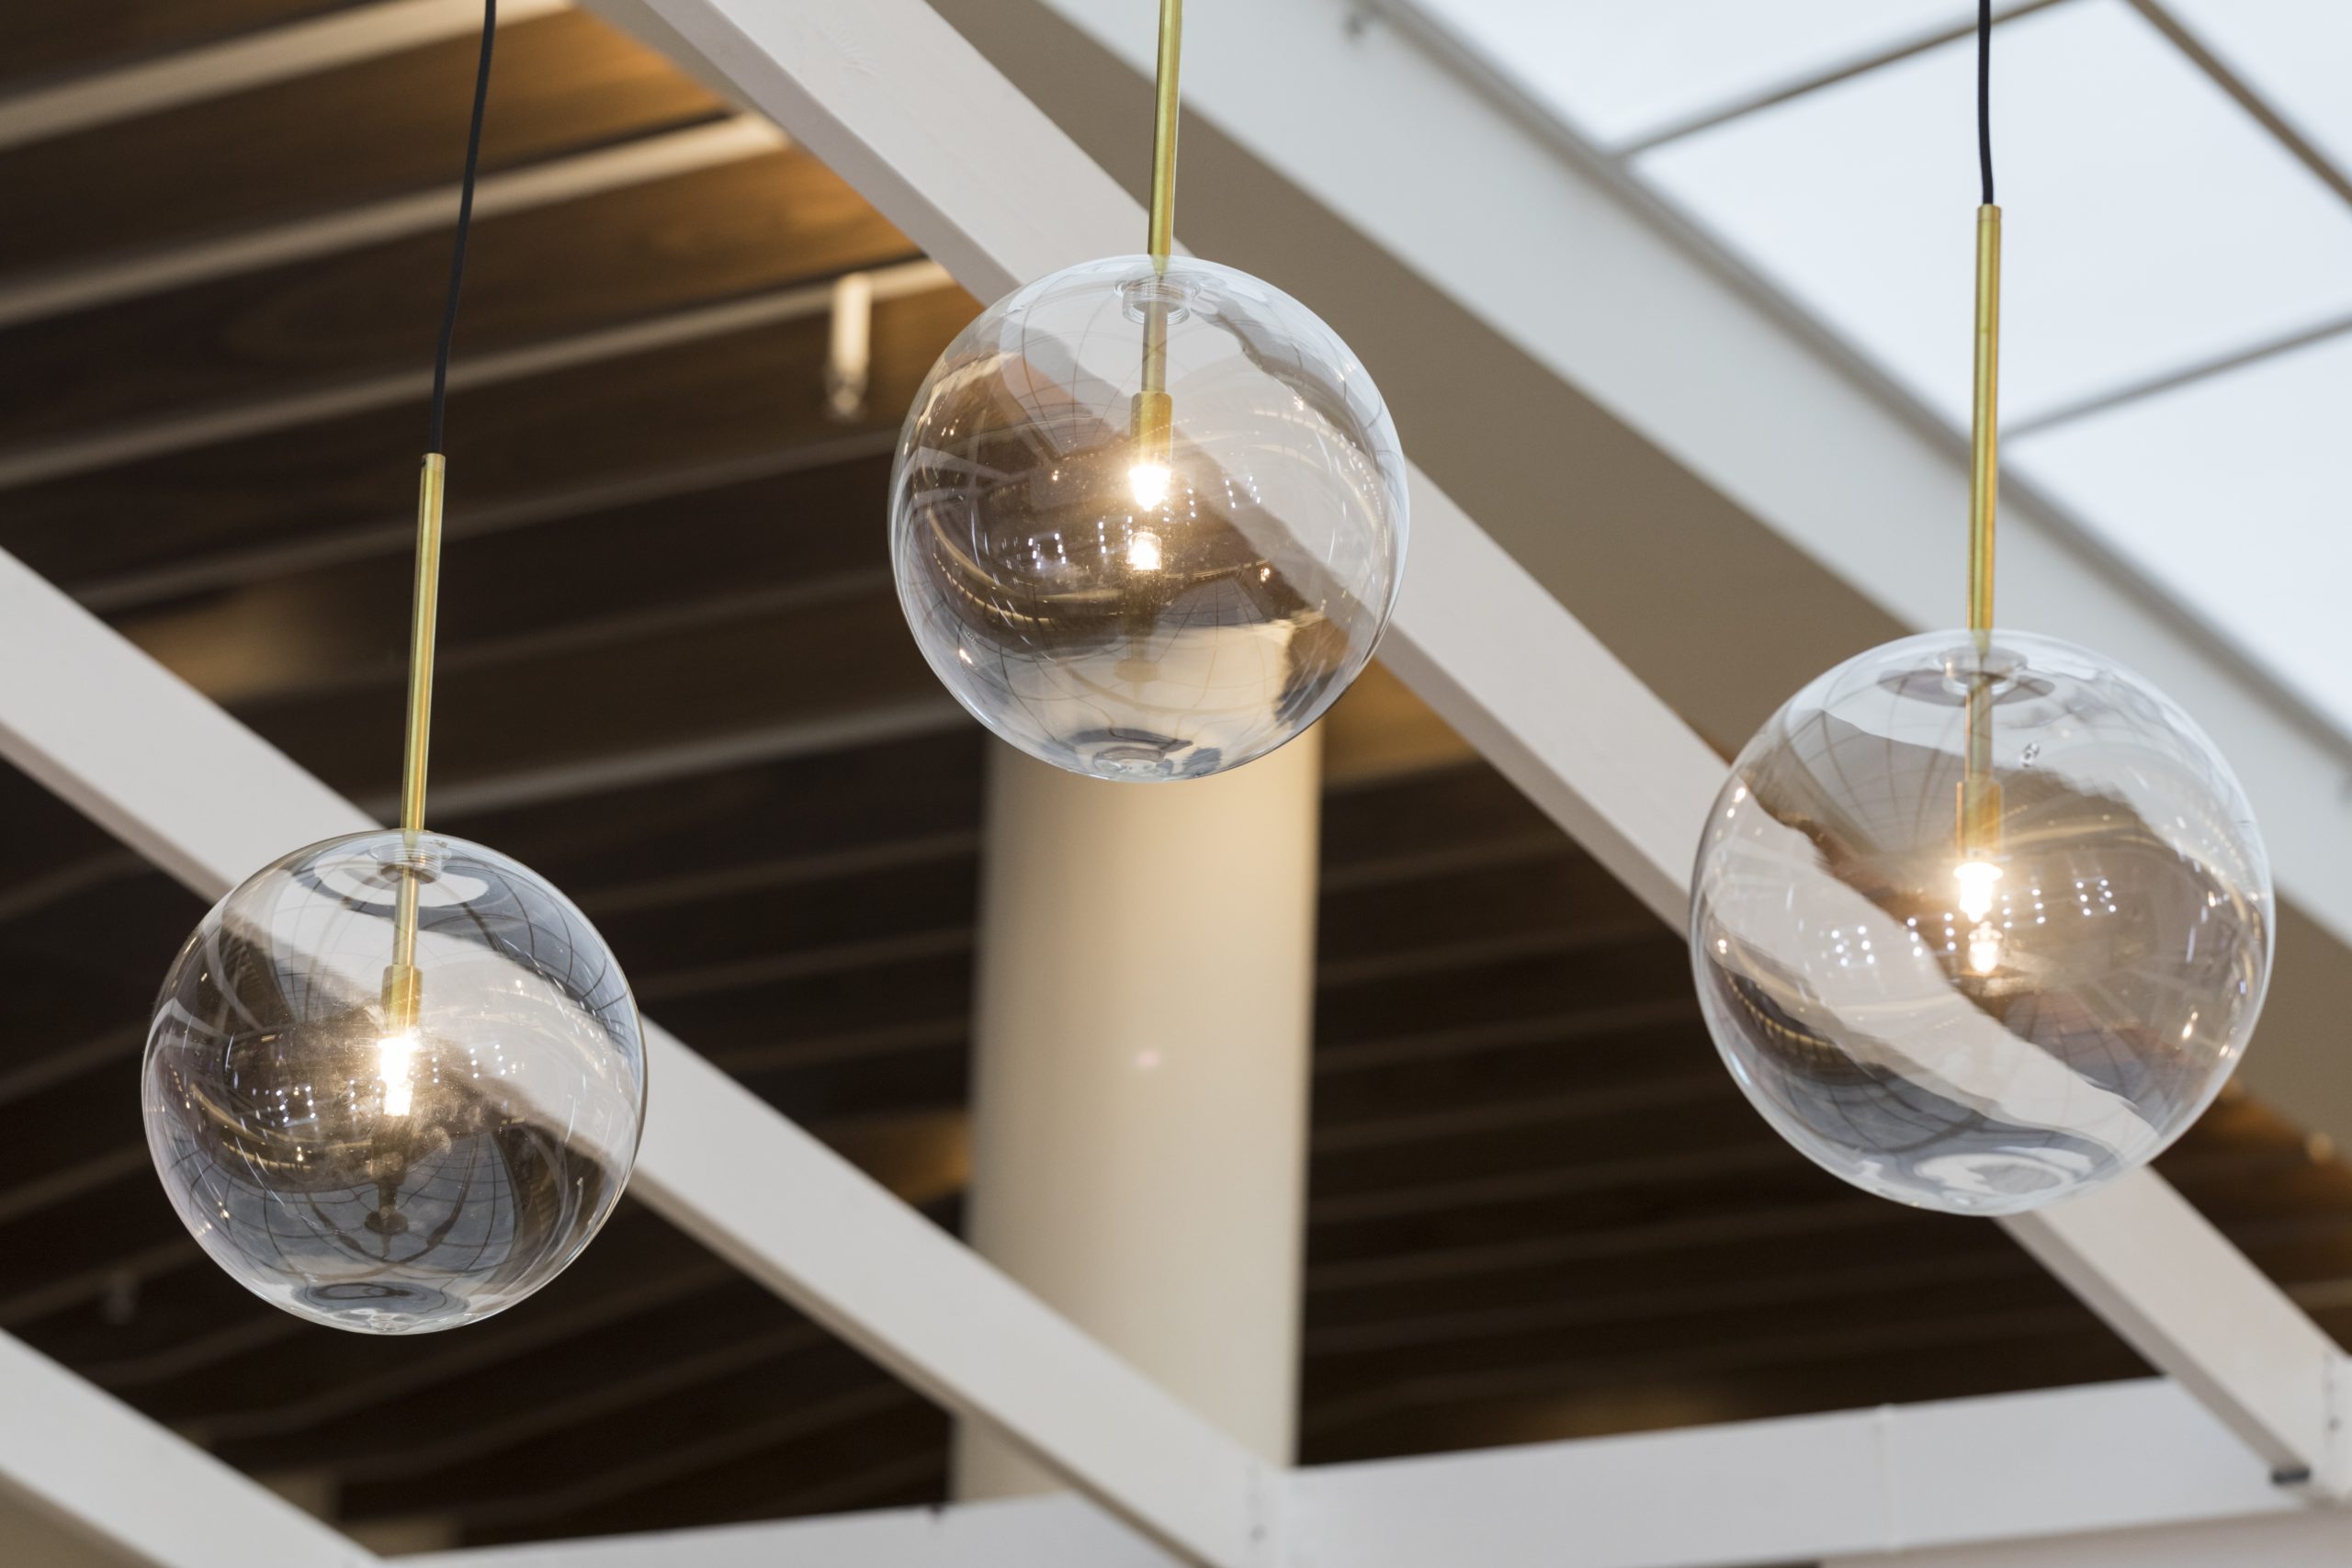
(1153, 415)
(400, 981)
(1984, 474)
(1163, 132)
(420, 641)
(1980, 793)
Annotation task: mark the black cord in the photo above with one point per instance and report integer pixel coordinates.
(465, 223)
(1984, 94)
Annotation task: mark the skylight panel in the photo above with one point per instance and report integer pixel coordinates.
(2229, 493)
(2297, 54)
(1621, 70)
(2152, 224)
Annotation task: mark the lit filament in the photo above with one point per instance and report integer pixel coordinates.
(395, 1067)
(1143, 548)
(1149, 481)
(1976, 878)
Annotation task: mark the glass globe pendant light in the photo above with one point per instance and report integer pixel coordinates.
(1981, 920)
(1147, 516)
(394, 1080)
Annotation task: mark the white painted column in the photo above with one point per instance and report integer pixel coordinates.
(1141, 1034)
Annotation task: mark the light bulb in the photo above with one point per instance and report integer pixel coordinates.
(1149, 481)
(386, 1146)
(1143, 550)
(395, 1061)
(1195, 399)
(1860, 987)
(1976, 878)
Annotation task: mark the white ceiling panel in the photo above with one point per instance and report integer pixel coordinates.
(1621, 71)
(2297, 54)
(2231, 492)
(2152, 224)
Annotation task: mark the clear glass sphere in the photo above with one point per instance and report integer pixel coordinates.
(385, 1147)
(1980, 932)
(1139, 586)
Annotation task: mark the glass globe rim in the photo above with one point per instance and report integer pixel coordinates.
(1397, 484)
(1944, 640)
(642, 1059)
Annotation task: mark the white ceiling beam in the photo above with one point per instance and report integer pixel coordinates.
(1036, 1532)
(978, 175)
(241, 64)
(2310, 1540)
(2217, 1325)
(112, 731)
(1798, 1490)
(2136, 1462)
(110, 1474)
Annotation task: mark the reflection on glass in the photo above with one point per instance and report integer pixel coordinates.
(1978, 931)
(1148, 525)
(384, 1153)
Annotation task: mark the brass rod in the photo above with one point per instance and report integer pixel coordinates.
(401, 980)
(1163, 131)
(1984, 474)
(420, 644)
(1979, 791)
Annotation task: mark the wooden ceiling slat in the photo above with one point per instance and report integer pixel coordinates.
(874, 1448)
(565, 83)
(753, 394)
(1550, 1409)
(758, 224)
(347, 621)
(42, 39)
(568, 705)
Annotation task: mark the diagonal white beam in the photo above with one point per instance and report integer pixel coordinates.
(112, 1475)
(296, 49)
(176, 778)
(978, 175)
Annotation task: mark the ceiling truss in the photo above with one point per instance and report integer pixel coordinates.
(975, 173)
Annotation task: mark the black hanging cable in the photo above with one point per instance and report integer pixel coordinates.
(465, 222)
(1984, 95)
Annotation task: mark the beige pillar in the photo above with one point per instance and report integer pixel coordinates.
(1147, 957)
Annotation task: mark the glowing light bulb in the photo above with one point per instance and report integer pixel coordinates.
(1976, 878)
(395, 1069)
(1985, 948)
(1143, 552)
(1149, 481)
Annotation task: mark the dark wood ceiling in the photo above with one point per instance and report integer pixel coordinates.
(675, 680)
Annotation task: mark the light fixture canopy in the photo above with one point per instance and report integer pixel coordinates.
(1981, 920)
(1148, 514)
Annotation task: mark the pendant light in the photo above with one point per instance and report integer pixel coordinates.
(1982, 919)
(394, 1080)
(1147, 515)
